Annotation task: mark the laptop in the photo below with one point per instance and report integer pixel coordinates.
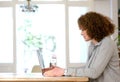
(41, 61)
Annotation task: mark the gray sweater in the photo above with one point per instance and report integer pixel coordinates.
(102, 64)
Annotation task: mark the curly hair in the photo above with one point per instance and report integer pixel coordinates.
(97, 25)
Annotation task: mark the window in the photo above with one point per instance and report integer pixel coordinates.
(48, 21)
(6, 34)
(52, 28)
(77, 45)
(43, 0)
(5, 0)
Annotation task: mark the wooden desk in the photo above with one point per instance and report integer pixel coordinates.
(38, 78)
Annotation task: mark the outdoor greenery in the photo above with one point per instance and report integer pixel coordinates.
(33, 40)
(38, 41)
(118, 39)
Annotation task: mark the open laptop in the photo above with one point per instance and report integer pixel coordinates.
(40, 59)
(41, 62)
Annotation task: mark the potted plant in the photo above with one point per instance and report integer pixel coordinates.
(118, 43)
(117, 40)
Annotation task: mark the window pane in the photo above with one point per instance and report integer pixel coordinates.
(47, 22)
(77, 45)
(5, 0)
(6, 34)
(77, 0)
(42, 0)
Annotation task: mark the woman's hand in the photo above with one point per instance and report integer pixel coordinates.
(54, 71)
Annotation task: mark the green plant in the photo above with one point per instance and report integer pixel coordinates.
(40, 41)
(37, 41)
(118, 40)
(31, 40)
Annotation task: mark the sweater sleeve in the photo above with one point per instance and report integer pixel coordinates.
(100, 60)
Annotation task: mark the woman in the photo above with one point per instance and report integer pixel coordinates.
(103, 60)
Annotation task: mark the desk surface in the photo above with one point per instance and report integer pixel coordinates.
(38, 78)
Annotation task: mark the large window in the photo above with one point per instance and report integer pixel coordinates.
(6, 34)
(47, 25)
(52, 28)
(77, 45)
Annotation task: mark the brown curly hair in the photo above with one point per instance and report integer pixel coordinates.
(97, 25)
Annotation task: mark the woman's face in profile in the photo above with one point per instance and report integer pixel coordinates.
(84, 34)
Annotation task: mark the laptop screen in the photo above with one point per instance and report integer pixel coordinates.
(40, 59)
(41, 62)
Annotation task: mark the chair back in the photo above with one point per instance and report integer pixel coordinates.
(36, 69)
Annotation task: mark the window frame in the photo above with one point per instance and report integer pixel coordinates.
(89, 4)
(67, 3)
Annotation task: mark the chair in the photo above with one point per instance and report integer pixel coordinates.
(36, 69)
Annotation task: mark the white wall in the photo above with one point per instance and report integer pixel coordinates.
(110, 9)
(102, 6)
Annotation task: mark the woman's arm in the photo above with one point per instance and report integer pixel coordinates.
(54, 72)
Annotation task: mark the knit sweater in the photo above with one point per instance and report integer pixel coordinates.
(102, 64)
